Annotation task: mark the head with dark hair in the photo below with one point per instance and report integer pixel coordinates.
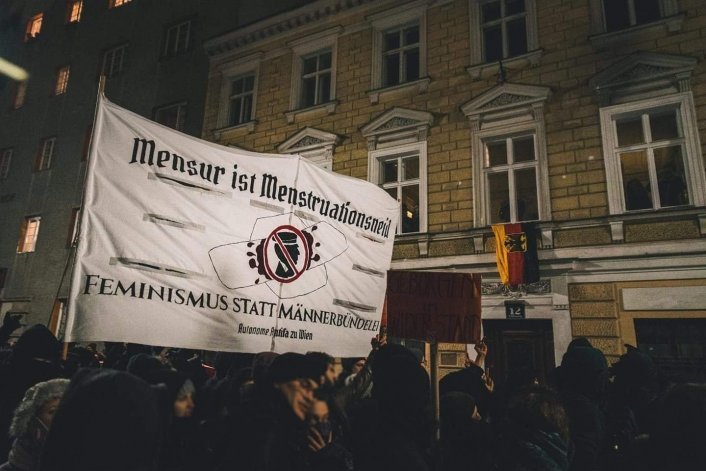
(37, 342)
(584, 370)
(325, 364)
(539, 408)
(107, 420)
(295, 377)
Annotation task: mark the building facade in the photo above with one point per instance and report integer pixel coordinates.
(152, 57)
(586, 116)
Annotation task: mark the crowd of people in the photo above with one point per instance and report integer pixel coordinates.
(135, 407)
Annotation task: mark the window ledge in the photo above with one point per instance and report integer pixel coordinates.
(517, 62)
(421, 86)
(329, 107)
(670, 24)
(248, 126)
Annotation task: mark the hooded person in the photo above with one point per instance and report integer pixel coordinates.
(107, 420)
(464, 436)
(184, 447)
(35, 358)
(269, 432)
(31, 422)
(393, 429)
(583, 381)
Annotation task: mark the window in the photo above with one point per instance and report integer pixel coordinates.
(400, 55)
(510, 179)
(62, 80)
(399, 177)
(74, 8)
(504, 27)
(650, 134)
(510, 173)
(28, 234)
(73, 227)
(20, 94)
(113, 61)
(5, 160)
(502, 30)
(620, 14)
(397, 162)
(176, 39)
(46, 152)
(240, 101)
(173, 116)
(648, 153)
(57, 322)
(34, 27)
(315, 79)
(399, 47)
(117, 3)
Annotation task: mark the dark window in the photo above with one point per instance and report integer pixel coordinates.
(400, 55)
(621, 14)
(678, 346)
(504, 26)
(241, 100)
(316, 79)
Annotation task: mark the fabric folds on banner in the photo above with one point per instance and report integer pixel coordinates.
(516, 253)
(186, 243)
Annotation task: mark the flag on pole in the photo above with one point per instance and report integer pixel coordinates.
(186, 243)
(516, 253)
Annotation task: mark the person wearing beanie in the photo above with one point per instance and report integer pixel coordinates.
(107, 420)
(35, 358)
(31, 422)
(269, 432)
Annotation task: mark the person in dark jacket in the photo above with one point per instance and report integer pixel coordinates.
(328, 450)
(465, 438)
(35, 358)
(583, 382)
(107, 420)
(268, 433)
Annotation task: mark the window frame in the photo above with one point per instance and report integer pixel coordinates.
(61, 83)
(378, 156)
(230, 72)
(71, 240)
(181, 107)
(114, 71)
(33, 22)
(693, 165)
(24, 245)
(5, 162)
(117, 3)
(305, 47)
(476, 25)
(73, 17)
(510, 169)
(390, 20)
(172, 50)
(44, 162)
(20, 96)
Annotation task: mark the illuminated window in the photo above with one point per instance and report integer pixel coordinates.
(176, 40)
(20, 94)
(73, 11)
(62, 80)
(46, 152)
(113, 61)
(173, 116)
(28, 234)
(117, 3)
(73, 227)
(5, 159)
(34, 27)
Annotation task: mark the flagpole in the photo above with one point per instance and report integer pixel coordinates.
(74, 243)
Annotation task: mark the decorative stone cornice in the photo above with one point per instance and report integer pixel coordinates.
(309, 139)
(505, 100)
(397, 124)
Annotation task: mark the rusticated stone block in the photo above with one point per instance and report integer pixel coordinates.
(591, 292)
(451, 247)
(593, 309)
(670, 230)
(609, 346)
(401, 251)
(582, 237)
(594, 328)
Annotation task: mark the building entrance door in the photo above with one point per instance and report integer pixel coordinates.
(515, 344)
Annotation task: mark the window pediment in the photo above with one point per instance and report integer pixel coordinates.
(643, 74)
(398, 125)
(309, 139)
(505, 101)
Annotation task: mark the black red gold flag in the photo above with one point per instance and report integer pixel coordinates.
(516, 253)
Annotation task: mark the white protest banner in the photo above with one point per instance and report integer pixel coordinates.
(186, 243)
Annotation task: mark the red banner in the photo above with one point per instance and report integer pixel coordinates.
(433, 306)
